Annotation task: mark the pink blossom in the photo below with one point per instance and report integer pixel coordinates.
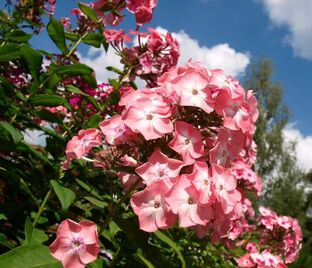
(76, 244)
(160, 167)
(184, 201)
(151, 208)
(143, 9)
(150, 119)
(116, 36)
(202, 180)
(79, 145)
(187, 141)
(192, 88)
(225, 187)
(115, 131)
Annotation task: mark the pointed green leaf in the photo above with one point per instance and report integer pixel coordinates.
(29, 229)
(143, 259)
(172, 244)
(18, 36)
(56, 32)
(47, 100)
(30, 256)
(14, 133)
(65, 195)
(33, 60)
(94, 39)
(75, 90)
(88, 11)
(9, 52)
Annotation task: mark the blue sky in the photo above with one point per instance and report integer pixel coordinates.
(278, 29)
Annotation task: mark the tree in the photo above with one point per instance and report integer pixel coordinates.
(283, 181)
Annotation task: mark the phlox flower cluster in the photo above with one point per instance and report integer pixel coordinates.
(154, 54)
(184, 152)
(281, 232)
(180, 143)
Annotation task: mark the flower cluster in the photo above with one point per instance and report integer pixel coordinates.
(142, 9)
(283, 231)
(193, 127)
(154, 54)
(256, 259)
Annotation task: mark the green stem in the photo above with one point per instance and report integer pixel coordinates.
(114, 208)
(41, 208)
(76, 44)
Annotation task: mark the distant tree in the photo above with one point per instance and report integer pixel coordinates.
(284, 183)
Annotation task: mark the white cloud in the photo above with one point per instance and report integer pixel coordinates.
(98, 59)
(35, 137)
(296, 15)
(303, 148)
(218, 56)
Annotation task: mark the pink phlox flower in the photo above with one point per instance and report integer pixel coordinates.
(202, 180)
(183, 199)
(151, 208)
(225, 188)
(187, 141)
(222, 82)
(192, 88)
(76, 244)
(245, 261)
(229, 144)
(160, 167)
(116, 36)
(150, 118)
(115, 131)
(80, 145)
(143, 10)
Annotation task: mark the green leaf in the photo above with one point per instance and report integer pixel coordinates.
(65, 195)
(99, 263)
(75, 90)
(93, 39)
(56, 32)
(172, 244)
(143, 259)
(33, 60)
(96, 202)
(73, 69)
(53, 80)
(113, 69)
(94, 121)
(72, 36)
(30, 256)
(18, 36)
(4, 241)
(88, 11)
(47, 100)
(14, 133)
(39, 237)
(3, 217)
(88, 188)
(29, 229)
(140, 239)
(9, 52)
(48, 116)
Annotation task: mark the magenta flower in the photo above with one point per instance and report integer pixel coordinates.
(76, 244)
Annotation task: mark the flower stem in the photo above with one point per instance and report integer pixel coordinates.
(41, 208)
